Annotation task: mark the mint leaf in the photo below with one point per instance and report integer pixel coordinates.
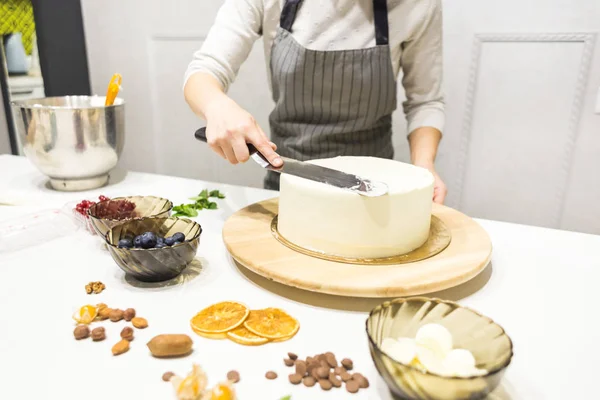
(217, 194)
(204, 194)
(212, 205)
(288, 397)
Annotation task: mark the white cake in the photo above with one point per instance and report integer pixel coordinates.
(337, 222)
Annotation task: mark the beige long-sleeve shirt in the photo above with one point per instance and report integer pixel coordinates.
(415, 42)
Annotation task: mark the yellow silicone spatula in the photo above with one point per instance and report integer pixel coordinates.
(113, 89)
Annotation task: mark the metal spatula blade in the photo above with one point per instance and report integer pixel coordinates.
(328, 176)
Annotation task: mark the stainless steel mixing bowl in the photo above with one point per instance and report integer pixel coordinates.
(74, 140)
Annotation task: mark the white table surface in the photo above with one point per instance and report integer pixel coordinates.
(541, 287)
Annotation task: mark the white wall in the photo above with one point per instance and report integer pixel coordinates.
(521, 143)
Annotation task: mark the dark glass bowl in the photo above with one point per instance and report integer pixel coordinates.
(106, 214)
(486, 340)
(154, 265)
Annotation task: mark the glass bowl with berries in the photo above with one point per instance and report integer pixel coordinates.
(106, 213)
(154, 249)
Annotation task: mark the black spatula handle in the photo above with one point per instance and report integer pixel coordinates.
(201, 136)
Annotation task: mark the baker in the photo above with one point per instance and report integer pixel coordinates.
(334, 67)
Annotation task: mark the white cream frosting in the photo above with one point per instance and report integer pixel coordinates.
(337, 222)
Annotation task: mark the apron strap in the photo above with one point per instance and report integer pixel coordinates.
(380, 12)
(288, 14)
(382, 29)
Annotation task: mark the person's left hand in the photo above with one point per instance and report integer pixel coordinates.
(439, 187)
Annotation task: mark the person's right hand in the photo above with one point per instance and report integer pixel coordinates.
(229, 128)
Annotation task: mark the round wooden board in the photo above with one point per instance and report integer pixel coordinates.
(248, 237)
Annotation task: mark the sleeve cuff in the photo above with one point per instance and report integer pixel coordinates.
(193, 69)
(430, 117)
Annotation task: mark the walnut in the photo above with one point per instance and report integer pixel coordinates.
(94, 287)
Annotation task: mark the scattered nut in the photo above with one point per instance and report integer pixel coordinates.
(295, 379)
(81, 332)
(139, 323)
(127, 333)
(345, 376)
(352, 386)
(309, 381)
(325, 384)
(347, 363)
(167, 376)
(324, 364)
(94, 287)
(115, 315)
(292, 356)
(363, 382)
(233, 376)
(334, 380)
(288, 362)
(301, 368)
(104, 313)
(129, 314)
(271, 375)
(121, 347)
(330, 358)
(170, 345)
(98, 334)
(323, 373)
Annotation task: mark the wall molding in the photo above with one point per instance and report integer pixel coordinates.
(588, 39)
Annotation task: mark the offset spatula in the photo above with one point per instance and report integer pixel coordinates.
(316, 173)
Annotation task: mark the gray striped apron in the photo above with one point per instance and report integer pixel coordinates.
(331, 103)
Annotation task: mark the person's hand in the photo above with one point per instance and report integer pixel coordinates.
(439, 187)
(230, 128)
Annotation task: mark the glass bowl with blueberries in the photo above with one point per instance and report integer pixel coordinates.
(154, 249)
(108, 213)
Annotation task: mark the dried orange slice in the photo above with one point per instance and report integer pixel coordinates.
(85, 315)
(272, 323)
(219, 318)
(241, 335)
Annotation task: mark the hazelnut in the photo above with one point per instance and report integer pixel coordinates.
(81, 332)
(127, 333)
(352, 386)
(98, 334)
(295, 379)
(309, 381)
(288, 362)
(347, 363)
(129, 314)
(325, 384)
(116, 315)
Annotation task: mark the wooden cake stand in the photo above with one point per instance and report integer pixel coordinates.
(251, 242)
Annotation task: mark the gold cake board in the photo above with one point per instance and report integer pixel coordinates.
(250, 241)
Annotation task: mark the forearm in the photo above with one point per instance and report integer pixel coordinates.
(424, 144)
(200, 91)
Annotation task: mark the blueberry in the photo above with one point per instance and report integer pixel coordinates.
(137, 241)
(125, 244)
(148, 240)
(159, 240)
(160, 245)
(179, 237)
(169, 241)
